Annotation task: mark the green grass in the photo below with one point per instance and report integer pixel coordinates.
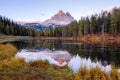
(17, 69)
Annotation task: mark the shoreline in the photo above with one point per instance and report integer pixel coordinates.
(6, 38)
(90, 38)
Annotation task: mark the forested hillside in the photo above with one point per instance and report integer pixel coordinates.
(9, 27)
(105, 22)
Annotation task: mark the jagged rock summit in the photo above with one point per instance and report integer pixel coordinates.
(61, 18)
(60, 13)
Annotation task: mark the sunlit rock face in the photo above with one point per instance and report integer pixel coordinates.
(61, 18)
(61, 58)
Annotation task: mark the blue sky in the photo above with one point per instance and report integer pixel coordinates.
(40, 10)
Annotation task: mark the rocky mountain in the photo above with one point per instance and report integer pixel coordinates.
(61, 18)
(37, 26)
(34, 25)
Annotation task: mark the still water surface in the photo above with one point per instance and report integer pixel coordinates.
(103, 53)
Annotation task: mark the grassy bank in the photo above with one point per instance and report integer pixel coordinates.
(17, 69)
(99, 39)
(12, 38)
(90, 38)
(7, 51)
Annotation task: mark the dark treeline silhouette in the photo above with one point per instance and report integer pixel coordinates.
(9, 27)
(105, 22)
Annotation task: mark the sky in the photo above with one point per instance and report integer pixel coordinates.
(40, 10)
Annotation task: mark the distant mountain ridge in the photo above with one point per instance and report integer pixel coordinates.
(61, 18)
(34, 25)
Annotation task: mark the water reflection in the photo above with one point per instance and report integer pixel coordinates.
(54, 57)
(61, 58)
(104, 53)
(77, 62)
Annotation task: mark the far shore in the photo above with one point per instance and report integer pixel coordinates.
(90, 39)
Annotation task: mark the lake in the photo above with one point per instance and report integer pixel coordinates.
(105, 54)
(74, 54)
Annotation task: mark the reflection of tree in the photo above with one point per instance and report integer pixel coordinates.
(114, 57)
(109, 53)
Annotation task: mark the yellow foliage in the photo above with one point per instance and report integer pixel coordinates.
(77, 77)
(7, 51)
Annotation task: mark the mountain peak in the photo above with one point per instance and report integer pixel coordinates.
(60, 13)
(61, 18)
(68, 14)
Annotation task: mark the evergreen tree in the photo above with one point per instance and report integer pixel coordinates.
(0, 24)
(93, 24)
(115, 21)
(86, 26)
(99, 24)
(80, 27)
(7, 30)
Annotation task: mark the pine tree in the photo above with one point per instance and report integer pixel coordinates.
(115, 21)
(86, 26)
(7, 30)
(80, 27)
(75, 29)
(0, 24)
(93, 24)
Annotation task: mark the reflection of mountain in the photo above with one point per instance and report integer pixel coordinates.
(60, 18)
(95, 52)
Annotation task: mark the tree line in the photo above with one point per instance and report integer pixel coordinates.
(105, 22)
(8, 27)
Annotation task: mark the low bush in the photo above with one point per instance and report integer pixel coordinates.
(7, 51)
